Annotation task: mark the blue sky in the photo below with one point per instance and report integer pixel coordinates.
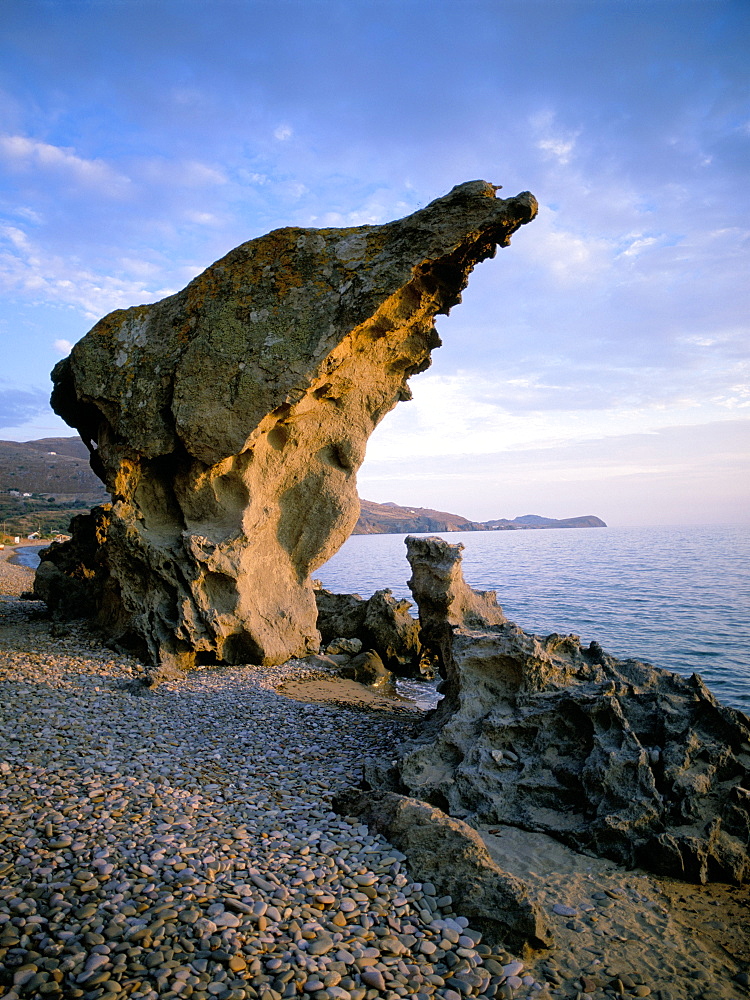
(598, 365)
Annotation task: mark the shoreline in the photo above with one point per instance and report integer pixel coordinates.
(210, 798)
(14, 578)
(15, 560)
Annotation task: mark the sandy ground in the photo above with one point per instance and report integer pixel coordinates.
(338, 691)
(14, 580)
(685, 939)
(618, 932)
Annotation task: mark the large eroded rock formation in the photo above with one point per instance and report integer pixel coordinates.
(614, 757)
(228, 422)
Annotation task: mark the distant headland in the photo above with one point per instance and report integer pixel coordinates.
(391, 519)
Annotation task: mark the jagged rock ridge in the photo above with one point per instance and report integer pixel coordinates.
(228, 422)
(614, 757)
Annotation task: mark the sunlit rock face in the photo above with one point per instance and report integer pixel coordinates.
(228, 422)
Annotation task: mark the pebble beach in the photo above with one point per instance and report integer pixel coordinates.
(181, 843)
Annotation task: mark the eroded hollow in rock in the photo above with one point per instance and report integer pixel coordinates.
(228, 423)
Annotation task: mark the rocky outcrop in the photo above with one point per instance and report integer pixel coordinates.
(445, 601)
(228, 421)
(613, 757)
(339, 615)
(367, 668)
(452, 856)
(380, 622)
(364, 667)
(71, 577)
(344, 647)
(395, 634)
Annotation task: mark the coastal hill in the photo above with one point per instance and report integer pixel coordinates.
(52, 466)
(390, 518)
(43, 484)
(58, 468)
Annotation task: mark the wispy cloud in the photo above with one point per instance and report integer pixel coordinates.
(570, 258)
(27, 269)
(475, 414)
(638, 244)
(21, 152)
(175, 172)
(18, 405)
(553, 140)
(204, 218)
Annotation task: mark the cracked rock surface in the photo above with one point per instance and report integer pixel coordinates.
(617, 758)
(228, 423)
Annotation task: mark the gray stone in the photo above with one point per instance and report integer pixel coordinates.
(348, 647)
(553, 737)
(339, 615)
(372, 978)
(368, 668)
(320, 945)
(451, 855)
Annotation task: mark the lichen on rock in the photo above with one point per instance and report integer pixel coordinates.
(228, 423)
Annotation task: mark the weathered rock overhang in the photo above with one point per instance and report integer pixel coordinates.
(228, 423)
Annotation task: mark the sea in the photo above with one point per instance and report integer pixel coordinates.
(676, 597)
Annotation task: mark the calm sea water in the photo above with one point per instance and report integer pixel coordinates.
(28, 555)
(676, 597)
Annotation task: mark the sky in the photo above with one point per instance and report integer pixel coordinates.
(598, 365)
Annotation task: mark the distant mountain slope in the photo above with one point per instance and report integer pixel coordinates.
(57, 466)
(389, 518)
(72, 447)
(535, 521)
